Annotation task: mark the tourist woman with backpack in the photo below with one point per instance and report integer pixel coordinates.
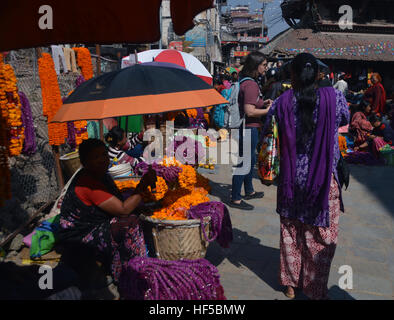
(251, 108)
(309, 193)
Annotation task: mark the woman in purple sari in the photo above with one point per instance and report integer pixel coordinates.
(309, 196)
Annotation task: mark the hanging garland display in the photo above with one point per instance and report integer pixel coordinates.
(30, 146)
(51, 99)
(11, 108)
(84, 61)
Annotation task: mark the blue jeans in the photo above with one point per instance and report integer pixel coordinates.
(238, 180)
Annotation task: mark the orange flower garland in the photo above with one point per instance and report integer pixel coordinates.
(192, 113)
(126, 184)
(84, 60)
(81, 132)
(342, 145)
(51, 99)
(158, 194)
(11, 109)
(187, 177)
(177, 203)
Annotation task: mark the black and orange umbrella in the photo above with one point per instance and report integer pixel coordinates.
(146, 88)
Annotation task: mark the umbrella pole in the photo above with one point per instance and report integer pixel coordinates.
(98, 66)
(55, 149)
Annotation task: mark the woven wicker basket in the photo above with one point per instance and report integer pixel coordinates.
(70, 163)
(174, 240)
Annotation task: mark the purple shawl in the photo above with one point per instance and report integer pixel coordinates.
(317, 187)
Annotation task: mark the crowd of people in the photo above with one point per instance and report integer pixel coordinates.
(309, 201)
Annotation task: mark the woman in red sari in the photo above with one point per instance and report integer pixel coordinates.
(376, 94)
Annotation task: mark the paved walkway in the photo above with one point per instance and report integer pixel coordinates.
(249, 268)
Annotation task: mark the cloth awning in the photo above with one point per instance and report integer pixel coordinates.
(332, 45)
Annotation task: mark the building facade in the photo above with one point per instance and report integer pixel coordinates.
(365, 45)
(242, 32)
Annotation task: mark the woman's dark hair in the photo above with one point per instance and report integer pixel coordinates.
(305, 69)
(114, 136)
(363, 105)
(253, 60)
(86, 147)
(181, 120)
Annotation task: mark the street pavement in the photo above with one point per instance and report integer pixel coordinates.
(249, 268)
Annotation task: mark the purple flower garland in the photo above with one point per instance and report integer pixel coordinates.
(147, 278)
(221, 227)
(169, 174)
(188, 144)
(30, 145)
(70, 125)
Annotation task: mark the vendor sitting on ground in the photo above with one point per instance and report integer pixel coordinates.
(94, 215)
(121, 150)
(360, 126)
(381, 134)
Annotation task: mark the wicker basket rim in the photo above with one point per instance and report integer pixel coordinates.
(191, 222)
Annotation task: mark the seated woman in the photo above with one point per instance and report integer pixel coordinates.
(361, 127)
(93, 214)
(119, 150)
(381, 135)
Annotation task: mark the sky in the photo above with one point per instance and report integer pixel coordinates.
(272, 16)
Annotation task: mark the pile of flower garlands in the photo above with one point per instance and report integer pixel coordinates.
(11, 109)
(84, 61)
(178, 186)
(154, 279)
(51, 99)
(342, 145)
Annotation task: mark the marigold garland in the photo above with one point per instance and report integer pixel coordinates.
(192, 190)
(342, 145)
(192, 113)
(5, 174)
(84, 61)
(11, 109)
(51, 99)
(80, 128)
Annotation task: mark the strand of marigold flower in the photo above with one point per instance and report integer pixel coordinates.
(84, 61)
(51, 99)
(11, 109)
(8, 117)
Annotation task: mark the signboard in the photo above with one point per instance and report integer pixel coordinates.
(177, 45)
(241, 53)
(198, 36)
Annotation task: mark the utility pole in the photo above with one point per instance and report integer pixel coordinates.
(161, 26)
